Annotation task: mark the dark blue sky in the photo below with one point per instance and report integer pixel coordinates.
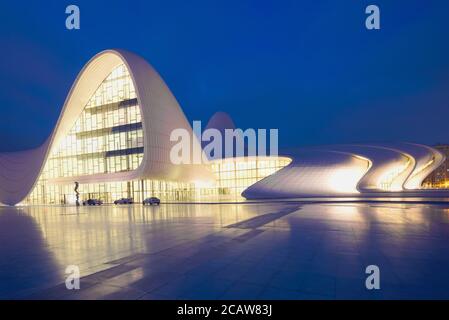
(309, 68)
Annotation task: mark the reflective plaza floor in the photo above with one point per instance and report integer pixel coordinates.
(285, 250)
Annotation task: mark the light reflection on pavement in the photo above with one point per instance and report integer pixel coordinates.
(283, 250)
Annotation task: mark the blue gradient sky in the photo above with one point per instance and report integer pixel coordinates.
(309, 68)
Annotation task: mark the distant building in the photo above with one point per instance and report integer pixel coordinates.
(439, 179)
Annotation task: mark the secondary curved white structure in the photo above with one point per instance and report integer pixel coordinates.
(349, 170)
(160, 115)
(426, 160)
(311, 173)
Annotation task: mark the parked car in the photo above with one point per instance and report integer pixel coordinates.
(151, 201)
(92, 202)
(124, 201)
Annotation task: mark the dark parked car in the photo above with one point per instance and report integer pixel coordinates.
(92, 202)
(151, 201)
(124, 201)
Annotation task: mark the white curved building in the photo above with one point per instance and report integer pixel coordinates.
(114, 126)
(113, 138)
(350, 170)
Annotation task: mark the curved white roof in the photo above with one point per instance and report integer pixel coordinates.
(427, 159)
(384, 160)
(160, 112)
(312, 173)
(348, 170)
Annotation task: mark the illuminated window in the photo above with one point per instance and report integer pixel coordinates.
(107, 137)
(236, 174)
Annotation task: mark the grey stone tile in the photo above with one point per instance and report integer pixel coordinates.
(186, 251)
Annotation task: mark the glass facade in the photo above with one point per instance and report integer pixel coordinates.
(110, 191)
(439, 178)
(236, 174)
(108, 138)
(232, 177)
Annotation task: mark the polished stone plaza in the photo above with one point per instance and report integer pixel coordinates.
(283, 250)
